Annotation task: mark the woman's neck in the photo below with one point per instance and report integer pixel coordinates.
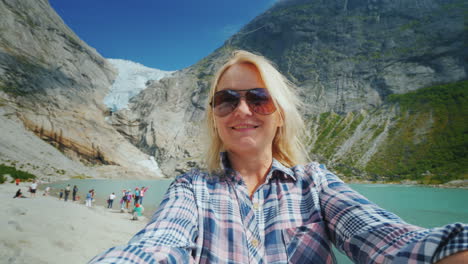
(252, 168)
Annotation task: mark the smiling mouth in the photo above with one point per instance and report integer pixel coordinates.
(243, 127)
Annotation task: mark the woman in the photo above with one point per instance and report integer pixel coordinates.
(75, 191)
(19, 194)
(136, 196)
(89, 198)
(123, 200)
(256, 205)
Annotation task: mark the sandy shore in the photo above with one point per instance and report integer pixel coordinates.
(47, 230)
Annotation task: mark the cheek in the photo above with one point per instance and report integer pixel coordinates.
(275, 122)
(222, 133)
(220, 127)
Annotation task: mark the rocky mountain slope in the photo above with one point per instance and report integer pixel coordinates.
(384, 86)
(55, 84)
(347, 58)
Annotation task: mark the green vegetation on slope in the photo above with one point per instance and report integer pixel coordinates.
(428, 142)
(14, 173)
(334, 129)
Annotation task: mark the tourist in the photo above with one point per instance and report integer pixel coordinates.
(255, 204)
(89, 198)
(17, 181)
(67, 192)
(123, 200)
(19, 194)
(46, 191)
(110, 201)
(33, 188)
(61, 194)
(93, 195)
(74, 192)
(142, 193)
(137, 211)
(136, 196)
(128, 199)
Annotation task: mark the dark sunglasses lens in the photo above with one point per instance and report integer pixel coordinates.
(260, 101)
(225, 102)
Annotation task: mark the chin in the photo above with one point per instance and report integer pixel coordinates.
(245, 147)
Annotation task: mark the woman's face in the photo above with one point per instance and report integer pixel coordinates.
(244, 131)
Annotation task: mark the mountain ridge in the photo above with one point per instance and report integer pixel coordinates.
(347, 58)
(54, 84)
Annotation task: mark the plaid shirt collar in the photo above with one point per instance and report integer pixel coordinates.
(277, 170)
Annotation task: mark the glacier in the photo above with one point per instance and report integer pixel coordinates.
(131, 79)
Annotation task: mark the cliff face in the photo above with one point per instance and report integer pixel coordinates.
(347, 58)
(361, 68)
(55, 84)
(418, 135)
(350, 55)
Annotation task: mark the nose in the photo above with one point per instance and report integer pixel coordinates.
(243, 108)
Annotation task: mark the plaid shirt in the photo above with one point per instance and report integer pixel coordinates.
(293, 217)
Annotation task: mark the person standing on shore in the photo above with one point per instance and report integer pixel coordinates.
(129, 195)
(142, 193)
(17, 181)
(93, 195)
(75, 190)
(89, 199)
(33, 188)
(123, 200)
(67, 192)
(136, 196)
(110, 201)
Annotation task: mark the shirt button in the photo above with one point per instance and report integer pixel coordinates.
(256, 206)
(254, 242)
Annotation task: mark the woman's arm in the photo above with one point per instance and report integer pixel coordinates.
(367, 233)
(457, 258)
(170, 235)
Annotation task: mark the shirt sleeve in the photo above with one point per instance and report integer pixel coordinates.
(170, 235)
(367, 233)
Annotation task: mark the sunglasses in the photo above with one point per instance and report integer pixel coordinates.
(258, 99)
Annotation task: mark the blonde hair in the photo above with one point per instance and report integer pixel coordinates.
(288, 147)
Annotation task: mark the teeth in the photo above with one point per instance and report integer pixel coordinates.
(245, 126)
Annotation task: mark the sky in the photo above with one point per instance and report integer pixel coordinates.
(162, 34)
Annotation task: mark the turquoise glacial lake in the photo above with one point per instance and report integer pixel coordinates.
(422, 206)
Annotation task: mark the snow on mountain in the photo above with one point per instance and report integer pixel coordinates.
(151, 164)
(131, 79)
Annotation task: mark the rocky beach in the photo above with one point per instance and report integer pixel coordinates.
(44, 229)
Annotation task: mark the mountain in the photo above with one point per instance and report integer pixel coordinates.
(384, 85)
(350, 60)
(52, 85)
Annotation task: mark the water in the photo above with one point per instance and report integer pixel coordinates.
(422, 206)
